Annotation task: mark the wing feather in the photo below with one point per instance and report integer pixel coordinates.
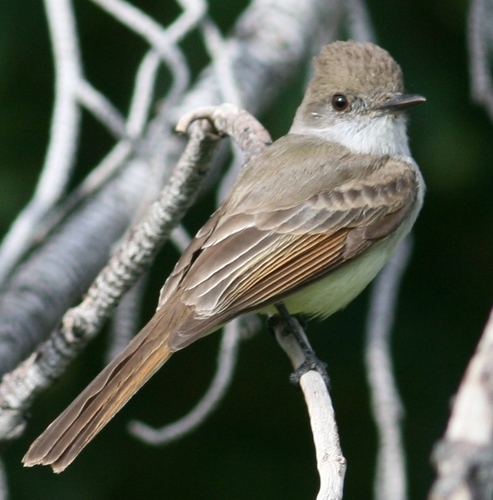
(258, 256)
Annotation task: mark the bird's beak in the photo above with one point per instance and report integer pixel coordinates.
(400, 102)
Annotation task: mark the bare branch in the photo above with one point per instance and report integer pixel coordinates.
(157, 37)
(63, 135)
(180, 238)
(137, 119)
(390, 478)
(331, 463)
(221, 61)
(125, 320)
(55, 276)
(464, 457)
(143, 93)
(4, 488)
(102, 109)
(193, 12)
(359, 23)
(480, 45)
(251, 138)
(248, 133)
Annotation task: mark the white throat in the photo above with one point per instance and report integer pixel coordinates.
(378, 135)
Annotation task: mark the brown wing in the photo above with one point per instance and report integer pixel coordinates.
(246, 261)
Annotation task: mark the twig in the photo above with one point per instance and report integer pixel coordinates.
(194, 11)
(226, 363)
(63, 135)
(180, 238)
(102, 109)
(248, 133)
(331, 463)
(230, 91)
(390, 477)
(359, 23)
(157, 37)
(221, 61)
(4, 488)
(137, 119)
(464, 457)
(142, 96)
(480, 42)
(125, 319)
(252, 138)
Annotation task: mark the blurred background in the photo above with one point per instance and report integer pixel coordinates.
(258, 443)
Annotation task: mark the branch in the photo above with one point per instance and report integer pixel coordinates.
(331, 463)
(125, 320)
(157, 37)
(142, 97)
(102, 109)
(221, 61)
(390, 477)
(464, 457)
(63, 136)
(266, 48)
(480, 44)
(3, 482)
(143, 93)
(60, 271)
(359, 23)
(193, 12)
(235, 122)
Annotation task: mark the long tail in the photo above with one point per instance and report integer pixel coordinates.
(65, 438)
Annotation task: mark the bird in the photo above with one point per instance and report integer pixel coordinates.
(309, 223)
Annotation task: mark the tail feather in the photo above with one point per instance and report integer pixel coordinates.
(65, 438)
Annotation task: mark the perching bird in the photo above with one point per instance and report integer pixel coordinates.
(309, 222)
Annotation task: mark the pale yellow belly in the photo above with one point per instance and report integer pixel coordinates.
(327, 295)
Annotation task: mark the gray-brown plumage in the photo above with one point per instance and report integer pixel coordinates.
(309, 222)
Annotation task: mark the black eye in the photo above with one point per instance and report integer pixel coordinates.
(340, 102)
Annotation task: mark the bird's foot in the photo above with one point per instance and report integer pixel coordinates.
(311, 363)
